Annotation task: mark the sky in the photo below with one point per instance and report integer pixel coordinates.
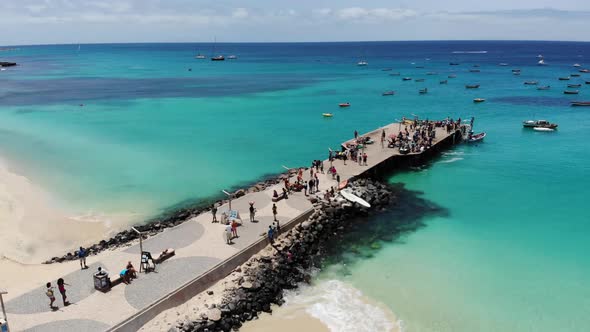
(25, 22)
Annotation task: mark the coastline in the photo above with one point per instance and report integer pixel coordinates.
(31, 223)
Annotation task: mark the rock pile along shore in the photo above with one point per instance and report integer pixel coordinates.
(260, 282)
(155, 226)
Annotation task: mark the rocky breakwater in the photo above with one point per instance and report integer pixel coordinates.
(259, 283)
(178, 216)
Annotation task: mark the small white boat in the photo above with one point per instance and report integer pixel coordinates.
(543, 129)
(232, 57)
(577, 65)
(362, 63)
(199, 56)
(541, 62)
(354, 198)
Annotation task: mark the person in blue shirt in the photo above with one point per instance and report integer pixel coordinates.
(271, 233)
(82, 256)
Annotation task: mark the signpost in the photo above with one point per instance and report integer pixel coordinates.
(140, 246)
(229, 197)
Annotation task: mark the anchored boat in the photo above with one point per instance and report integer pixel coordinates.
(538, 124)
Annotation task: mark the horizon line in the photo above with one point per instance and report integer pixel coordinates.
(302, 42)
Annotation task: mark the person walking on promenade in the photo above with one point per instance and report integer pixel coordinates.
(82, 256)
(274, 211)
(338, 178)
(311, 186)
(214, 212)
(346, 155)
(321, 162)
(234, 229)
(62, 290)
(305, 188)
(317, 183)
(50, 294)
(227, 234)
(360, 158)
(270, 235)
(285, 194)
(252, 212)
(276, 228)
(365, 159)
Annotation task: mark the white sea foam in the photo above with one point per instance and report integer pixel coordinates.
(470, 52)
(453, 153)
(451, 160)
(342, 308)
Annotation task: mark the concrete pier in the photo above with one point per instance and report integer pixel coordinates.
(202, 256)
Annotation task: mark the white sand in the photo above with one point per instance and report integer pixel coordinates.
(32, 226)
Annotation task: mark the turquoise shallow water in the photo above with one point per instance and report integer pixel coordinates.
(507, 252)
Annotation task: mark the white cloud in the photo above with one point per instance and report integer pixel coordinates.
(240, 13)
(374, 14)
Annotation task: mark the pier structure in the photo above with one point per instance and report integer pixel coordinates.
(202, 256)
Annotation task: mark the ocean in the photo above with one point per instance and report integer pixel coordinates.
(486, 237)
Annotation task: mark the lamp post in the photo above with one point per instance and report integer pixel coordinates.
(229, 197)
(3, 292)
(140, 246)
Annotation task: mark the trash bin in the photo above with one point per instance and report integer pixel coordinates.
(101, 282)
(3, 325)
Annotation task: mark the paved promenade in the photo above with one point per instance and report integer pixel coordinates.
(199, 245)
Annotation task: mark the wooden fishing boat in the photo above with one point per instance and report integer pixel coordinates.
(531, 83)
(575, 75)
(423, 91)
(406, 79)
(567, 78)
(571, 92)
(574, 85)
(443, 82)
(453, 64)
(478, 100)
(472, 86)
(344, 104)
(584, 70)
(419, 80)
(327, 115)
(388, 93)
(547, 87)
(474, 70)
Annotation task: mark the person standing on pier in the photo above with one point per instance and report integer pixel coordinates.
(227, 233)
(305, 188)
(321, 162)
(338, 179)
(365, 159)
(214, 212)
(252, 212)
(317, 183)
(311, 186)
(274, 211)
(356, 134)
(50, 294)
(82, 256)
(62, 290)
(270, 234)
(234, 228)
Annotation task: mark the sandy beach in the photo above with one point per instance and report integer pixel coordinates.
(34, 226)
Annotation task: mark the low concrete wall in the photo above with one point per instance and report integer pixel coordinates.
(200, 283)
